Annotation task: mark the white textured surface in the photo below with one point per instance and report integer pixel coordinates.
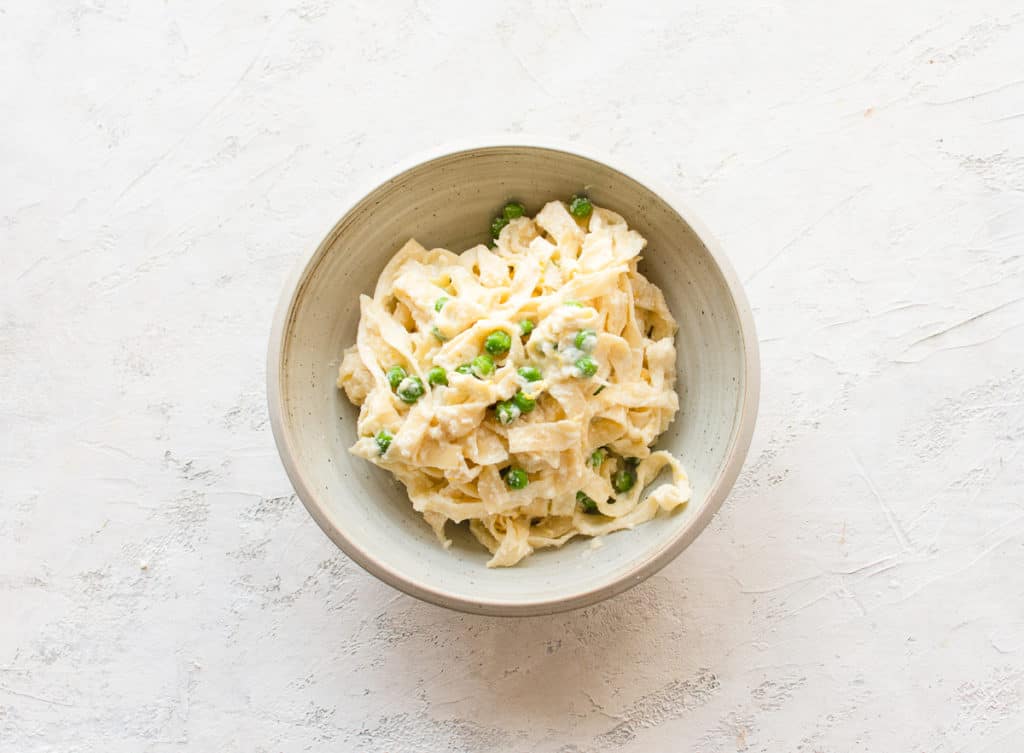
(165, 164)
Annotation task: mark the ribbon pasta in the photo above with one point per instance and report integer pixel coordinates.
(576, 282)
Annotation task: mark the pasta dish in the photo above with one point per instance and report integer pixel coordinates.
(520, 387)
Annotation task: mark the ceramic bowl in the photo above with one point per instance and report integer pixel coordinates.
(448, 201)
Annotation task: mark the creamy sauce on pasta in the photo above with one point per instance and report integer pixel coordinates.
(529, 459)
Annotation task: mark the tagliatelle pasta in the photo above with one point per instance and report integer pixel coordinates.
(520, 387)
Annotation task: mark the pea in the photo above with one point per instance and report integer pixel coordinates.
(497, 226)
(497, 342)
(395, 376)
(530, 373)
(507, 412)
(440, 302)
(524, 402)
(516, 478)
(586, 366)
(438, 334)
(411, 389)
(512, 210)
(464, 369)
(482, 365)
(525, 327)
(585, 339)
(437, 376)
(622, 481)
(580, 206)
(589, 506)
(597, 457)
(383, 440)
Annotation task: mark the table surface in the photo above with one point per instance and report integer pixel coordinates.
(167, 163)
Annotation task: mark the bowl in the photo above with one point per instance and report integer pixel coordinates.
(448, 201)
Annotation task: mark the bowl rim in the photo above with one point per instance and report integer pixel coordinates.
(654, 561)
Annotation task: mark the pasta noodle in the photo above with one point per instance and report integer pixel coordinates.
(520, 387)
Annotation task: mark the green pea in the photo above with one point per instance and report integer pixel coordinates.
(482, 365)
(440, 302)
(465, 369)
(512, 210)
(497, 226)
(573, 302)
(597, 457)
(395, 376)
(438, 334)
(622, 481)
(383, 440)
(530, 373)
(411, 389)
(437, 376)
(524, 402)
(507, 412)
(587, 366)
(525, 327)
(585, 339)
(589, 506)
(516, 478)
(497, 342)
(580, 206)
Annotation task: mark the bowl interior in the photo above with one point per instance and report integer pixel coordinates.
(449, 202)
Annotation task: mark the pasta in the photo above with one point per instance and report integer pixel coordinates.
(520, 387)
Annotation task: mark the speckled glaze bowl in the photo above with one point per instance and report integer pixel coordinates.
(448, 201)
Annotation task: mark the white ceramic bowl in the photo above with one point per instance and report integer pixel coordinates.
(448, 201)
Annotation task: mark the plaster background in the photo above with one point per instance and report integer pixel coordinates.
(165, 164)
